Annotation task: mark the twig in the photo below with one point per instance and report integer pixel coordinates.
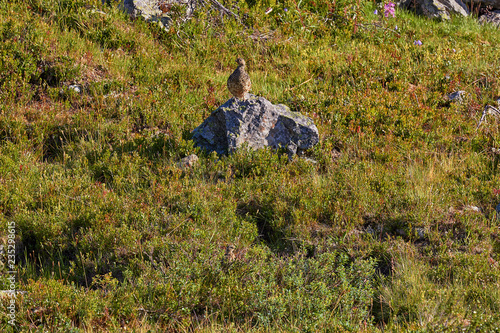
(483, 76)
(78, 198)
(149, 311)
(177, 226)
(225, 10)
(379, 27)
(488, 109)
(259, 36)
(288, 89)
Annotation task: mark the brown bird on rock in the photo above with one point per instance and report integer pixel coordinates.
(239, 83)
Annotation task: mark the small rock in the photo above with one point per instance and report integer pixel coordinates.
(156, 11)
(188, 161)
(375, 232)
(472, 208)
(457, 96)
(371, 231)
(310, 160)
(97, 11)
(492, 17)
(65, 90)
(420, 233)
(466, 208)
(75, 87)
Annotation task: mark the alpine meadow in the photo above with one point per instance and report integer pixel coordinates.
(388, 224)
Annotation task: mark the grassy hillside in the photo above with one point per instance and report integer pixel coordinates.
(393, 229)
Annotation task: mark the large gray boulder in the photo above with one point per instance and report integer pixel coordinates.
(440, 9)
(258, 123)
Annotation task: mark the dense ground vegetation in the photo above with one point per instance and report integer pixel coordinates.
(394, 228)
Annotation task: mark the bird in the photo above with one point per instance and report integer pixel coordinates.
(239, 83)
(229, 256)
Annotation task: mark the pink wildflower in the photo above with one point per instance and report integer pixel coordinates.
(389, 9)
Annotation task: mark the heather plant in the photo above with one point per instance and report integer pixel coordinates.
(388, 224)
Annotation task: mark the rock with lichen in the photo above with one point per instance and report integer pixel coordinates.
(158, 11)
(491, 17)
(257, 123)
(440, 9)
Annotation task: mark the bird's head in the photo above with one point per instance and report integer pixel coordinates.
(240, 62)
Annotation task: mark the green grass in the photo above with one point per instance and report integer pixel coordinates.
(381, 234)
